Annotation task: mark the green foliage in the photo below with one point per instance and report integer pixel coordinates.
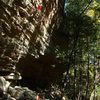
(98, 91)
(77, 6)
(83, 50)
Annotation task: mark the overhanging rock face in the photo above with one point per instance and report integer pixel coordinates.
(25, 26)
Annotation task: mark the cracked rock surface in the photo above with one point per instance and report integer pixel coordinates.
(25, 27)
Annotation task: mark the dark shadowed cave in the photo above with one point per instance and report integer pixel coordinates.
(40, 72)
